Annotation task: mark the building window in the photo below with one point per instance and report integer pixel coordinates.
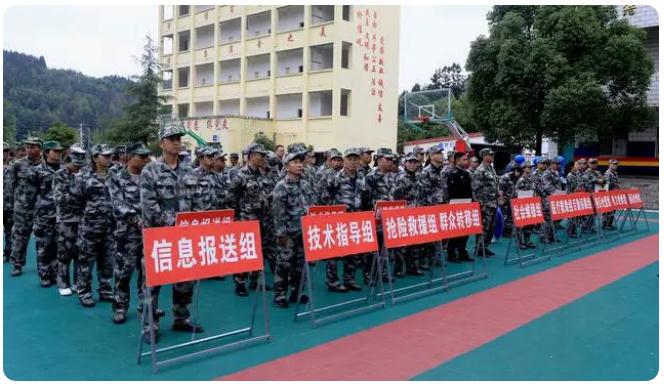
(290, 18)
(258, 67)
(168, 12)
(230, 31)
(183, 77)
(345, 54)
(259, 24)
(320, 103)
(258, 107)
(203, 109)
(167, 80)
(289, 106)
(204, 74)
(205, 36)
(290, 62)
(183, 110)
(166, 110)
(167, 45)
(321, 57)
(229, 71)
(229, 107)
(345, 102)
(184, 38)
(183, 10)
(322, 14)
(346, 12)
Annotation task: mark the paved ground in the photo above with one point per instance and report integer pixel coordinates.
(649, 189)
(601, 324)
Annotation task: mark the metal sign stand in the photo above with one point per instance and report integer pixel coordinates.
(249, 330)
(527, 258)
(369, 300)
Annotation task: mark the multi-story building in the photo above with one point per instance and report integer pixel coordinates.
(321, 74)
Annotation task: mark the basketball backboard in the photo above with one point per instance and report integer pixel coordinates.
(428, 106)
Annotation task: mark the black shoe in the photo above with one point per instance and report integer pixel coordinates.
(106, 297)
(241, 290)
(268, 287)
(253, 285)
(425, 267)
(454, 260)
(45, 282)
(281, 302)
(531, 245)
(293, 297)
(523, 246)
(352, 286)
(489, 252)
(119, 317)
(304, 299)
(16, 271)
(414, 271)
(336, 288)
(465, 257)
(187, 326)
(87, 301)
(399, 273)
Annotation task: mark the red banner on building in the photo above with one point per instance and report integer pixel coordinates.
(419, 225)
(173, 255)
(619, 199)
(572, 205)
(388, 204)
(189, 219)
(326, 209)
(344, 234)
(527, 211)
(602, 201)
(634, 198)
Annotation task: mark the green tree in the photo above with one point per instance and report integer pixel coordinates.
(8, 124)
(61, 133)
(268, 143)
(449, 77)
(557, 71)
(139, 123)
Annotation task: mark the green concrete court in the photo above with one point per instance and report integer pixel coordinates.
(611, 333)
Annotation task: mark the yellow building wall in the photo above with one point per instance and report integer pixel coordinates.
(372, 79)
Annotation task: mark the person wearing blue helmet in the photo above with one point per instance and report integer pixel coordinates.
(519, 160)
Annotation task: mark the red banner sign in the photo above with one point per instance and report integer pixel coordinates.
(388, 204)
(418, 225)
(329, 236)
(634, 198)
(572, 205)
(326, 209)
(527, 211)
(619, 199)
(602, 201)
(173, 255)
(187, 219)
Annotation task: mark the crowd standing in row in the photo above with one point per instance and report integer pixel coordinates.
(89, 207)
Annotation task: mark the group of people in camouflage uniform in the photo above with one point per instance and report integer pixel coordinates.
(87, 208)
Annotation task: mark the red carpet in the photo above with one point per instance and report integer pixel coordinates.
(409, 346)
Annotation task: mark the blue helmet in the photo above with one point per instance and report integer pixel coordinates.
(536, 160)
(560, 160)
(519, 159)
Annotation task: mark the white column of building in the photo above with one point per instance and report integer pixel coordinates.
(215, 65)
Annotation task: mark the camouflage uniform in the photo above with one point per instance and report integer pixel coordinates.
(207, 184)
(590, 179)
(432, 186)
(550, 183)
(290, 199)
(68, 214)
(45, 223)
(7, 209)
(507, 185)
(573, 181)
(164, 192)
(405, 187)
(525, 183)
(221, 185)
(125, 190)
(344, 189)
(485, 191)
(24, 186)
(611, 179)
(95, 240)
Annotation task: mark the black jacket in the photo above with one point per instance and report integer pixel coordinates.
(458, 184)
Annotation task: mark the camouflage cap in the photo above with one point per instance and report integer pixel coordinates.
(592, 161)
(583, 161)
(292, 156)
(297, 148)
(614, 161)
(121, 149)
(417, 150)
(366, 150)
(137, 149)
(234, 155)
(170, 129)
(410, 156)
(435, 149)
(255, 148)
(486, 151)
(352, 152)
(210, 151)
(384, 152)
(101, 149)
(335, 154)
(52, 145)
(33, 141)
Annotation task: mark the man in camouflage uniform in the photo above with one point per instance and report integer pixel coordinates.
(345, 188)
(365, 161)
(484, 183)
(168, 187)
(68, 214)
(95, 240)
(526, 183)
(44, 227)
(473, 163)
(290, 199)
(432, 185)
(119, 159)
(205, 176)
(336, 162)
(592, 180)
(551, 185)
(125, 189)
(221, 181)
(25, 189)
(506, 192)
(611, 178)
(248, 192)
(271, 168)
(405, 188)
(234, 158)
(574, 184)
(7, 201)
